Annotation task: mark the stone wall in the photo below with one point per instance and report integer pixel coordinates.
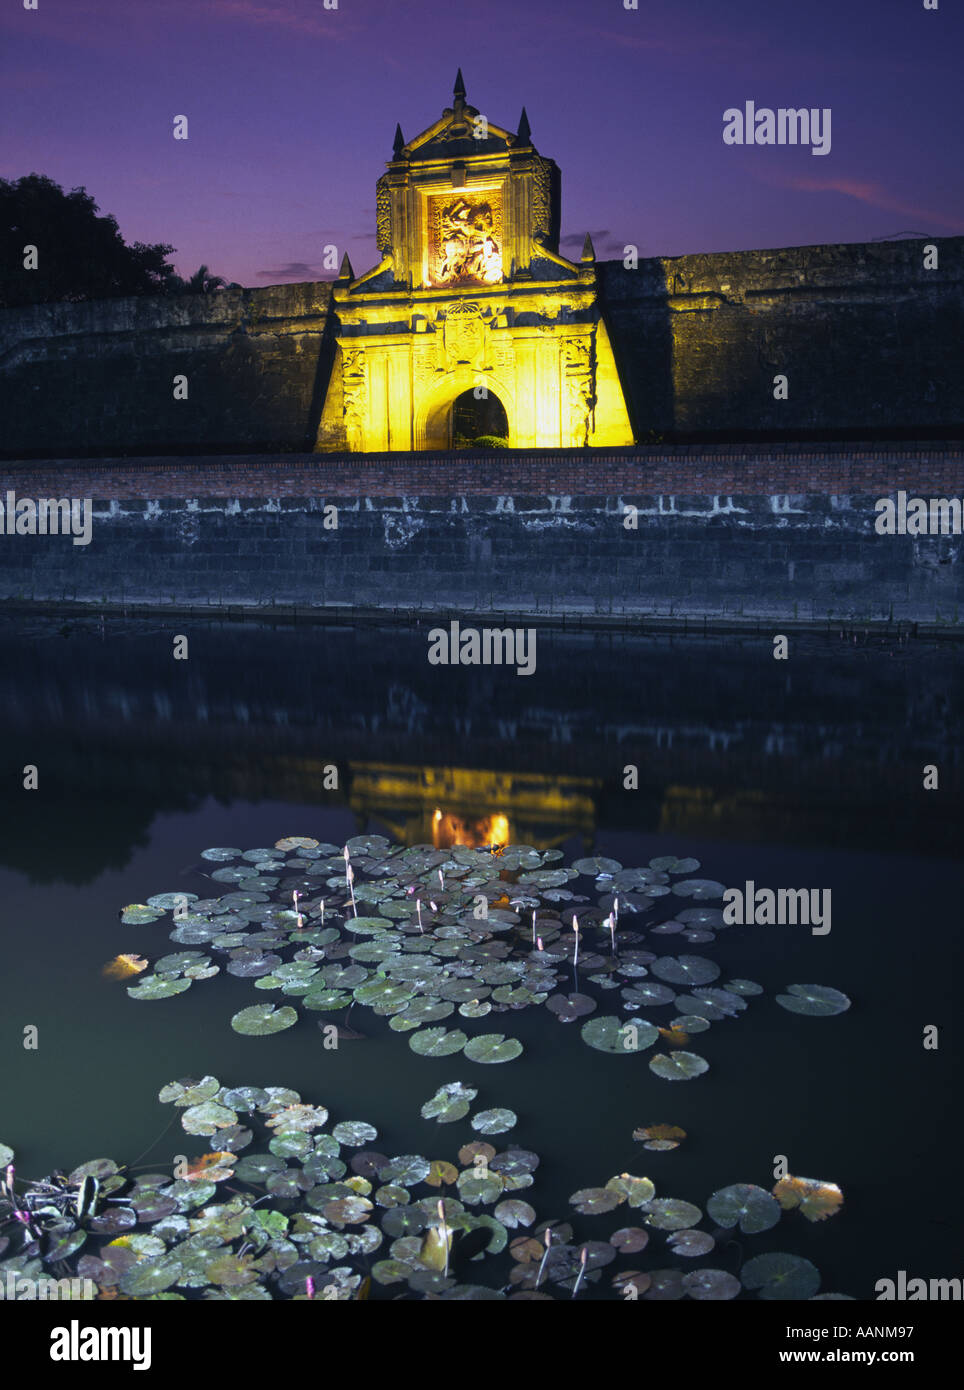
(780, 538)
(99, 378)
(870, 342)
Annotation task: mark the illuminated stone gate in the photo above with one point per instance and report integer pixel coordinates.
(470, 295)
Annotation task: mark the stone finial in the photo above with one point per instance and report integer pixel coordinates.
(399, 143)
(588, 253)
(459, 89)
(524, 134)
(346, 272)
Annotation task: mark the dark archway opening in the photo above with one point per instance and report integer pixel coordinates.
(479, 423)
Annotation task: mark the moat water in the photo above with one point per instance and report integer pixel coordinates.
(803, 773)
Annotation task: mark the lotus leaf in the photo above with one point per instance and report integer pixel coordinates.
(686, 970)
(744, 1204)
(817, 1200)
(449, 1103)
(437, 1042)
(591, 1201)
(408, 1169)
(637, 1192)
(710, 1284)
(514, 1212)
(781, 1276)
(597, 866)
(607, 1033)
(699, 889)
(492, 1047)
(672, 1214)
(260, 1019)
(153, 987)
(629, 1239)
(207, 1117)
(494, 1121)
(690, 1244)
(817, 1000)
(680, 1066)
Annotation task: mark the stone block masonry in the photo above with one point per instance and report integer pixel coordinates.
(723, 536)
(870, 341)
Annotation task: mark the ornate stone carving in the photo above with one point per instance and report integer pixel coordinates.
(541, 197)
(383, 215)
(580, 388)
(465, 240)
(464, 334)
(355, 395)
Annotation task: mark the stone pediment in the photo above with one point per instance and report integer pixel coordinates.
(452, 137)
(455, 134)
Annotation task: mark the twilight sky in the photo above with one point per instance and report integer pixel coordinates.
(292, 108)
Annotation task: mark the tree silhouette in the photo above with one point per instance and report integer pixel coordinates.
(80, 255)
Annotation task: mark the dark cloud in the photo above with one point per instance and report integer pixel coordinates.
(294, 270)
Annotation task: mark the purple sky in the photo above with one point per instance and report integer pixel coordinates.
(292, 110)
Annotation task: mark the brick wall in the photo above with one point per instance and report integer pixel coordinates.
(722, 535)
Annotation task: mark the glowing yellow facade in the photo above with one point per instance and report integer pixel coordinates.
(470, 295)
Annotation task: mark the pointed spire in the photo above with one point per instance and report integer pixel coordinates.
(346, 272)
(399, 144)
(588, 253)
(459, 89)
(524, 134)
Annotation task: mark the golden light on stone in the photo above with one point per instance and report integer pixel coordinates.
(470, 295)
(478, 832)
(421, 804)
(465, 240)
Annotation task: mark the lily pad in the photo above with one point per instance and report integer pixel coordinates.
(672, 1214)
(699, 889)
(156, 988)
(450, 1103)
(207, 1117)
(438, 1042)
(710, 1284)
(660, 1138)
(406, 1170)
(593, 1201)
(494, 1121)
(354, 1133)
(607, 1033)
(260, 1019)
(638, 1192)
(746, 1205)
(597, 866)
(678, 1066)
(686, 970)
(690, 1244)
(816, 1000)
(816, 1200)
(629, 1239)
(781, 1276)
(669, 864)
(492, 1047)
(138, 914)
(513, 1213)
